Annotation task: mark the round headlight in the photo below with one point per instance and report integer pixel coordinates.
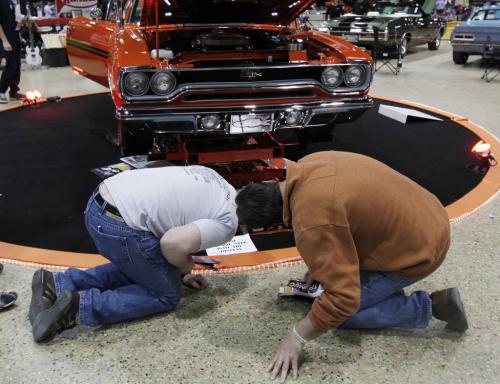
(136, 83)
(162, 83)
(332, 77)
(354, 76)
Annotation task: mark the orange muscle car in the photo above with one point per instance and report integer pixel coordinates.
(217, 72)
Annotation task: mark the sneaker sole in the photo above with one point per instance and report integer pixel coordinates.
(37, 277)
(38, 297)
(459, 322)
(44, 329)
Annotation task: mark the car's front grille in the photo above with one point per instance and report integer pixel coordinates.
(247, 74)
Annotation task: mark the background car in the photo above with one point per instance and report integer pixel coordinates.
(478, 34)
(219, 70)
(399, 25)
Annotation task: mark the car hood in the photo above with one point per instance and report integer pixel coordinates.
(223, 11)
(488, 26)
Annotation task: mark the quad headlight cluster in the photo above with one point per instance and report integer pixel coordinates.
(138, 83)
(155, 84)
(352, 76)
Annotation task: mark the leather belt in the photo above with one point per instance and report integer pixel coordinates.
(108, 207)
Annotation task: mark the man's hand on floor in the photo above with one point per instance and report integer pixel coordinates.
(286, 358)
(288, 354)
(195, 281)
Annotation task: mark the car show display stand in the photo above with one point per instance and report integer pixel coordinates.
(47, 153)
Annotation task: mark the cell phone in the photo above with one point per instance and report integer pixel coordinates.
(206, 261)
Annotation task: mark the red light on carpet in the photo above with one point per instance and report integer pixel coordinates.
(482, 149)
(32, 98)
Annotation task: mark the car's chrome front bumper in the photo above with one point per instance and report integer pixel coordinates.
(187, 120)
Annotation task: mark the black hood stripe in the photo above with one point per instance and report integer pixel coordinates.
(87, 47)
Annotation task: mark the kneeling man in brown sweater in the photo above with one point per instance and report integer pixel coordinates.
(365, 232)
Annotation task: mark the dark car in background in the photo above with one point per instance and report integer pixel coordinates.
(479, 34)
(399, 26)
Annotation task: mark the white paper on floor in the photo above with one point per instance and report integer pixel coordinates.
(402, 114)
(239, 244)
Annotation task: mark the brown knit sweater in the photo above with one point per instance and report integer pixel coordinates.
(350, 213)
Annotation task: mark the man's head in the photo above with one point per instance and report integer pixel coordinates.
(260, 205)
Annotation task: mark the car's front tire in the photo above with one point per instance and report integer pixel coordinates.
(460, 58)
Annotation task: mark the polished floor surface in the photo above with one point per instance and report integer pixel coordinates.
(228, 333)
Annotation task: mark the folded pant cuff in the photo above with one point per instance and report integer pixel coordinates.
(428, 307)
(62, 283)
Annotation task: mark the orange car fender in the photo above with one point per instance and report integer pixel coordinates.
(129, 50)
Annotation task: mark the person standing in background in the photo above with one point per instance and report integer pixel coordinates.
(11, 45)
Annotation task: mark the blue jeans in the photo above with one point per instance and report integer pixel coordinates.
(384, 303)
(138, 282)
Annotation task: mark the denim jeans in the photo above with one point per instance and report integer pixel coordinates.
(138, 282)
(384, 303)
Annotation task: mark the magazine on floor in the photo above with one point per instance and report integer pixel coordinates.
(300, 289)
(111, 170)
(136, 162)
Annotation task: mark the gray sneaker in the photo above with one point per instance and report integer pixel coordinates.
(3, 98)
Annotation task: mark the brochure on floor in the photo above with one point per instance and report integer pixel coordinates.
(239, 244)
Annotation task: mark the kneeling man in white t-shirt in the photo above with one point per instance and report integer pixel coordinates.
(147, 223)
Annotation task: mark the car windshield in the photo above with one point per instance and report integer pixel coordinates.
(487, 14)
(392, 9)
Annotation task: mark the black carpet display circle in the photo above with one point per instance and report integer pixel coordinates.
(47, 152)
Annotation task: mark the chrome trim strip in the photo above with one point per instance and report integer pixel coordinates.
(292, 65)
(479, 44)
(221, 100)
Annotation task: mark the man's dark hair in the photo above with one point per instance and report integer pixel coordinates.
(260, 205)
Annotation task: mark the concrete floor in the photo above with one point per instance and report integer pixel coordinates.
(228, 333)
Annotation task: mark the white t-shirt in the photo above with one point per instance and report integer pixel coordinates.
(158, 199)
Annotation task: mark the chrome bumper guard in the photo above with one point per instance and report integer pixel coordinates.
(188, 120)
